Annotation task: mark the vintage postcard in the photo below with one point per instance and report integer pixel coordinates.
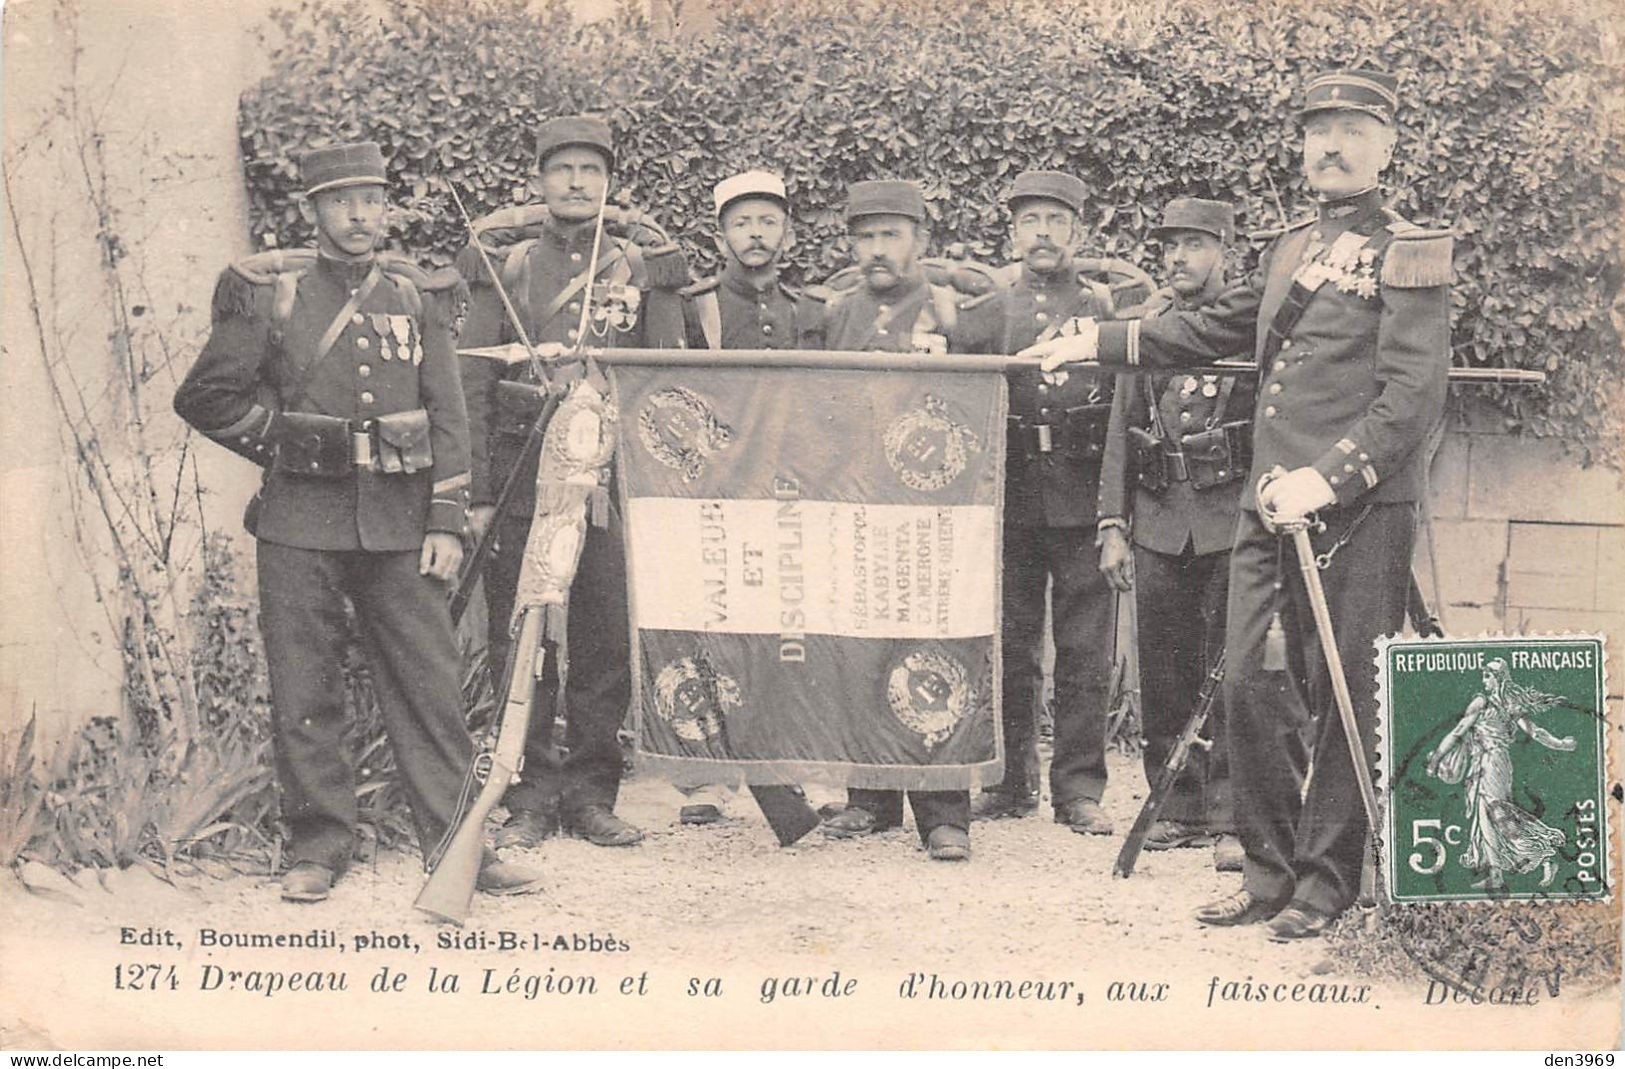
(682, 524)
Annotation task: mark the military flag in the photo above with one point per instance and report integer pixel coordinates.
(813, 564)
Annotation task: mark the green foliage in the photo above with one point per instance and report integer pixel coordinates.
(1512, 133)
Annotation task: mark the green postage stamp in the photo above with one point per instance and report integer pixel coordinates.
(1494, 768)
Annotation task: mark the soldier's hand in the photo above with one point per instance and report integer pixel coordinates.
(479, 518)
(1288, 498)
(1080, 347)
(442, 555)
(1116, 559)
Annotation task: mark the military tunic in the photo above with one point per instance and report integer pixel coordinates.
(545, 276)
(1353, 378)
(1054, 443)
(730, 311)
(914, 316)
(356, 342)
(1181, 535)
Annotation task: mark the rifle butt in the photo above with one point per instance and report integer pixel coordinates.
(448, 893)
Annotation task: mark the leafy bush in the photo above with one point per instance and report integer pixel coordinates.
(1512, 132)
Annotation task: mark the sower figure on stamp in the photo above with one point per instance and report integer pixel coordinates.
(896, 309)
(1055, 441)
(1176, 454)
(334, 370)
(1349, 312)
(747, 306)
(633, 303)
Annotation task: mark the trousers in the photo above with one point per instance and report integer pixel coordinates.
(1304, 833)
(932, 809)
(1064, 563)
(405, 630)
(1179, 604)
(598, 687)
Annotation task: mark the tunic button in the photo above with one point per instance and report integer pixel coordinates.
(1269, 410)
(366, 397)
(1349, 468)
(571, 334)
(1285, 345)
(1043, 387)
(1365, 458)
(358, 319)
(575, 306)
(1184, 416)
(882, 330)
(1275, 387)
(1042, 317)
(575, 257)
(884, 309)
(362, 343)
(1334, 480)
(1314, 235)
(1039, 298)
(767, 328)
(364, 370)
(243, 440)
(1280, 365)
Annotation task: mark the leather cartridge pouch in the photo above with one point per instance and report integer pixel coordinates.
(1150, 465)
(403, 442)
(1085, 434)
(518, 405)
(313, 445)
(1219, 455)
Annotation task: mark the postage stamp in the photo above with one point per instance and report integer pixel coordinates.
(1494, 768)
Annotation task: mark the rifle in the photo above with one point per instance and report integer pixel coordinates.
(474, 565)
(454, 866)
(1189, 738)
(1423, 619)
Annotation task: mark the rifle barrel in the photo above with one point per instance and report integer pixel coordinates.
(831, 360)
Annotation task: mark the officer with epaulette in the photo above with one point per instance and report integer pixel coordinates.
(897, 309)
(1176, 453)
(1349, 315)
(1054, 444)
(747, 306)
(334, 370)
(630, 299)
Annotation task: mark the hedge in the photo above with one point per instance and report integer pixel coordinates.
(1512, 133)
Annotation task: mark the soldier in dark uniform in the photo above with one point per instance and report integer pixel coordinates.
(1350, 315)
(1172, 474)
(1055, 440)
(633, 303)
(896, 309)
(747, 306)
(335, 372)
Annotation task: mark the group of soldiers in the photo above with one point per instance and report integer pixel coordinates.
(337, 371)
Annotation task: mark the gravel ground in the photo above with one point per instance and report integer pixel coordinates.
(1036, 902)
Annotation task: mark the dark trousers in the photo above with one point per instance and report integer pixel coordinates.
(406, 632)
(1065, 562)
(1179, 604)
(932, 809)
(1308, 844)
(598, 689)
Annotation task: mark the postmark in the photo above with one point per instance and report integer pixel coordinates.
(1493, 758)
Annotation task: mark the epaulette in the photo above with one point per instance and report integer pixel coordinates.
(702, 287)
(235, 295)
(666, 265)
(823, 294)
(262, 268)
(470, 265)
(1275, 232)
(788, 290)
(519, 221)
(1102, 294)
(1417, 258)
(442, 278)
(966, 276)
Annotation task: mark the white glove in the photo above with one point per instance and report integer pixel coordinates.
(1081, 347)
(1289, 498)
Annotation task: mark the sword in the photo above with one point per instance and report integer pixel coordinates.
(1299, 531)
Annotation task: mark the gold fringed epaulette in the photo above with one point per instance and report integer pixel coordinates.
(262, 268)
(667, 267)
(1419, 258)
(235, 295)
(469, 265)
(442, 279)
(701, 288)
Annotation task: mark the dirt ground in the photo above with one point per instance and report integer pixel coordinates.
(1037, 901)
